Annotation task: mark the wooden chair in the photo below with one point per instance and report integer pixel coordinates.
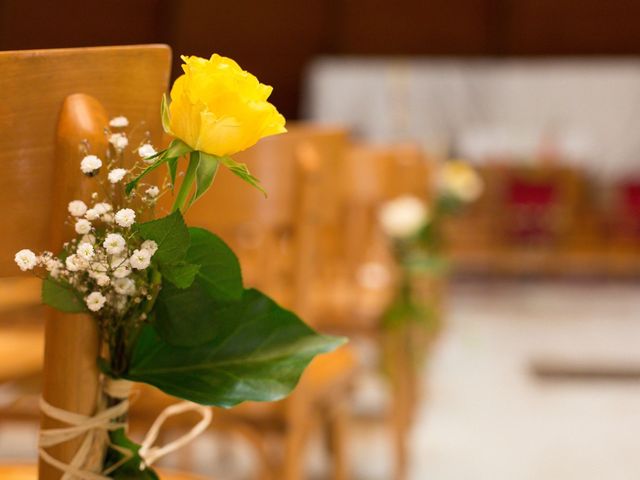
(53, 100)
(276, 240)
(357, 293)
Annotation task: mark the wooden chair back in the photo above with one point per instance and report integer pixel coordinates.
(53, 100)
(376, 174)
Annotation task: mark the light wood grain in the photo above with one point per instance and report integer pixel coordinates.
(52, 100)
(126, 80)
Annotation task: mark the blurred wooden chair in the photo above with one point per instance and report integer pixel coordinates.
(358, 290)
(277, 241)
(53, 100)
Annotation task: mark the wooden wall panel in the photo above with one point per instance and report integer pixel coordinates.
(273, 40)
(277, 39)
(32, 24)
(414, 27)
(571, 27)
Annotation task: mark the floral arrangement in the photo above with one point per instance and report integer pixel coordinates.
(414, 231)
(169, 299)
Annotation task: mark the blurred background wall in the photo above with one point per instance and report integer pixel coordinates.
(278, 39)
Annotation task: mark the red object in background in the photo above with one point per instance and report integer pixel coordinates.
(629, 207)
(531, 204)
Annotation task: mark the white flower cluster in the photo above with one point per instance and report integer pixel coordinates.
(403, 217)
(107, 262)
(107, 267)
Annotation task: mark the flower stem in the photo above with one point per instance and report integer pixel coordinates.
(187, 183)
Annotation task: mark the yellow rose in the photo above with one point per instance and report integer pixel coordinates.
(220, 109)
(461, 180)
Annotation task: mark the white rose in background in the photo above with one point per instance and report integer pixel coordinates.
(460, 180)
(403, 217)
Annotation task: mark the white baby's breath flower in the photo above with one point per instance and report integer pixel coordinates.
(26, 259)
(90, 165)
(125, 217)
(107, 218)
(114, 243)
(102, 207)
(75, 264)
(152, 191)
(124, 286)
(140, 259)
(120, 302)
(95, 301)
(119, 140)
(92, 214)
(77, 208)
(116, 175)
(85, 251)
(88, 238)
(150, 246)
(121, 267)
(119, 122)
(83, 226)
(145, 151)
(403, 217)
(101, 266)
(101, 279)
(53, 264)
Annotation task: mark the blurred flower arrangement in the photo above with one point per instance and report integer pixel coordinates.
(168, 299)
(414, 231)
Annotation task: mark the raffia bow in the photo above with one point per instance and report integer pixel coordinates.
(95, 432)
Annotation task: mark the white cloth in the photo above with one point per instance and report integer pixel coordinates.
(587, 110)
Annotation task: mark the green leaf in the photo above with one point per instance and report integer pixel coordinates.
(62, 296)
(177, 148)
(205, 173)
(172, 165)
(180, 274)
(186, 315)
(164, 113)
(219, 271)
(171, 235)
(242, 171)
(256, 351)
